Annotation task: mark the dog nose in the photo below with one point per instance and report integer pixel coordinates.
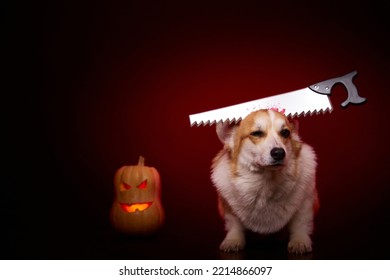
(278, 153)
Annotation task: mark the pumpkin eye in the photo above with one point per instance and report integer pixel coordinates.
(285, 133)
(257, 133)
(143, 185)
(126, 186)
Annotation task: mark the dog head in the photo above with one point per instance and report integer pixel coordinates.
(264, 139)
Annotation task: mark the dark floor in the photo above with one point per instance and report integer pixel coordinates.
(187, 242)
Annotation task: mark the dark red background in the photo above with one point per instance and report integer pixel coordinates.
(91, 86)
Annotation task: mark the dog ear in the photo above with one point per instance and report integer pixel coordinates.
(225, 132)
(295, 130)
(295, 125)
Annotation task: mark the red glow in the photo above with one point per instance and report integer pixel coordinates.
(142, 185)
(126, 186)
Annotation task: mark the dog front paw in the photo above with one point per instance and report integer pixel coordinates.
(232, 245)
(300, 246)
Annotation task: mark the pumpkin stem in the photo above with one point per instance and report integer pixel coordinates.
(141, 161)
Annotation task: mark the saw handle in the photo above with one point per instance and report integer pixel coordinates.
(325, 87)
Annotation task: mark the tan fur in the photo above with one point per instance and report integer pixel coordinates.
(265, 180)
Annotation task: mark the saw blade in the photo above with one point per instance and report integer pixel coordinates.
(295, 103)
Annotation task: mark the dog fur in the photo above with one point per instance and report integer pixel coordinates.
(265, 180)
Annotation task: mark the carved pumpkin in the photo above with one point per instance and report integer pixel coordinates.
(137, 206)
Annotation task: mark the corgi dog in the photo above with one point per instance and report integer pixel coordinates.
(265, 180)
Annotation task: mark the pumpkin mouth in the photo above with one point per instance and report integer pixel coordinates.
(135, 207)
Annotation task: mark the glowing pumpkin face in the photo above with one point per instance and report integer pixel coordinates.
(137, 207)
(126, 190)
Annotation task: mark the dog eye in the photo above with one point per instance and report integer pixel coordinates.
(257, 133)
(285, 133)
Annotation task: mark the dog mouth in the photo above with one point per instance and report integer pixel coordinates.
(272, 165)
(277, 164)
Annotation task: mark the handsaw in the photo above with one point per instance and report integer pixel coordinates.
(307, 101)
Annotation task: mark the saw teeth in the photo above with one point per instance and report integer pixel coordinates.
(234, 120)
(310, 113)
(210, 123)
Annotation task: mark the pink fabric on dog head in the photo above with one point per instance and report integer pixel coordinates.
(280, 110)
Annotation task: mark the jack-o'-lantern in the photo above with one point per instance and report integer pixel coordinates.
(137, 207)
